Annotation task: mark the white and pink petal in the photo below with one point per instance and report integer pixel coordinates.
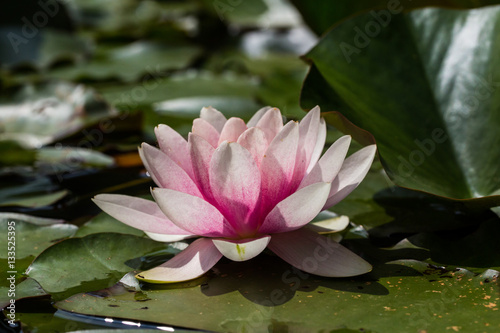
(165, 172)
(271, 123)
(320, 144)
(235, 183)
(317, 254)
(353, 171)
(254, 140)
(138, 213)
(174, 146)
(214, 117)
(242, 249)
(308, 134)
(330, 163)
(296, 210)
(231, 131)
(201, 154)
(256, 117)
(277, 166)
(205, 130)
(192, 213)
(197, 259)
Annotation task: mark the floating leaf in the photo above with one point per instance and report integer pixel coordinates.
(35, 200)
(92, 262)
(25, 289)
(65, 159)
(266, 294)
(430, 102)
(130, 62)
(31, 239)
(257, 13)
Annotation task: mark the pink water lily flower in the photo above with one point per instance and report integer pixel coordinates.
(244, 187)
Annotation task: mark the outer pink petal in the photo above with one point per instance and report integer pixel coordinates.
(254, 140)
(317, 254)
(192, 213)
(214, 117)
(329, 165)
(242, 249)
(201, 154)
(278, 165)
(232, 130)
(297, 210)
(320, 144)
(165, 172)
(191, 263)
(138, 213)
(175, 146)
(308, 134)
(235, 183)
(206, 131)
(271, 123)
(256, 117)
(353, 171)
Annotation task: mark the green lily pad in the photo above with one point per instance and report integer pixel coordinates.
(321, 15)
(65, 159)
(92, 262)
(43, 322)
(31, 239)
(251, 14)
(131, 61)
(26, 240)
(35, 200)
(267, 294)
(37, 115)
(190, 84)
(430, 102)
(116, 18)
(178, 99)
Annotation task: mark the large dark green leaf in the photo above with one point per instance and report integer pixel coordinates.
(429, 98)
(320, 15)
